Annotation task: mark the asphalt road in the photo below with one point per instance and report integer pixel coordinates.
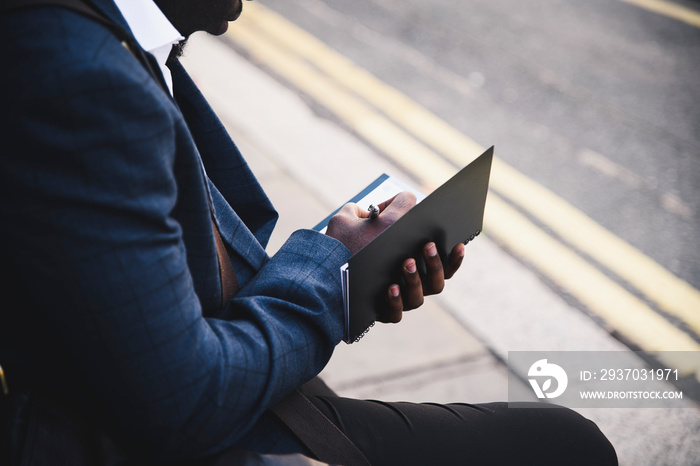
(597, 101)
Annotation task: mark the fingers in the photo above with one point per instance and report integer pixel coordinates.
(391, 208)
(397, 206)
(411, 298)
(415, 289)
(436, 271)
(435, 275)
(352, 227)
(413, 286)
(395, 311)
(454, 260)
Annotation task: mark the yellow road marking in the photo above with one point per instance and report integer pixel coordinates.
(620, 309)
(669, 292)
(378, 130)
(671, 10)
(337, 83)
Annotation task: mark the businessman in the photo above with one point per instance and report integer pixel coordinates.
(143, 319)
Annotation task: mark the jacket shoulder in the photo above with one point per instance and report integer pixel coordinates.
(49, 49)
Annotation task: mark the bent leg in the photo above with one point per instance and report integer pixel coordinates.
(492, 433)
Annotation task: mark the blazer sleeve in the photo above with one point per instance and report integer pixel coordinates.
(87, 195)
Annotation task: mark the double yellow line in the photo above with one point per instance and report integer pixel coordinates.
(671, 10)
(432, 150)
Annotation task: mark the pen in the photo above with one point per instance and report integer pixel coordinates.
(373, 211)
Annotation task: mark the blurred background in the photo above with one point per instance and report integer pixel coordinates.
(593, 219)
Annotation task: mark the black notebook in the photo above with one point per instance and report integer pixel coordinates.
(451, 214)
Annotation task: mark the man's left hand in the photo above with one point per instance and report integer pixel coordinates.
(415, 288)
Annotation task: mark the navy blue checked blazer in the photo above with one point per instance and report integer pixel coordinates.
(111, 291)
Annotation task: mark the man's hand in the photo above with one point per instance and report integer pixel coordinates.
(415, 288)
(353, 227)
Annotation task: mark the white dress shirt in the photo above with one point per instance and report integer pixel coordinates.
(153, 31)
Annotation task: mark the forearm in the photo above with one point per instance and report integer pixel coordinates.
(283, 326)
(184, 386)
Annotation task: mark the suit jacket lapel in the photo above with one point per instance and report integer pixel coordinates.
(242, 210)
(224, 163)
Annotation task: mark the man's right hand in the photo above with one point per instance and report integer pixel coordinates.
(353, 227)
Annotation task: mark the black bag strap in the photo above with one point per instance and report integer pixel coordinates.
(86, 9)
(328, 443)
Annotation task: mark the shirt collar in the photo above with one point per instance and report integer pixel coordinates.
(152, 30)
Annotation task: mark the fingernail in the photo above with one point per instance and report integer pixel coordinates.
(394, 289)
(460, 251)
(432, 250)
(411, 266)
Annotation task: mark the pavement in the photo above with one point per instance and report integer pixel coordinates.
(455, 348)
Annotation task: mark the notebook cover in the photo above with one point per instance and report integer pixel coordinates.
(452, 214)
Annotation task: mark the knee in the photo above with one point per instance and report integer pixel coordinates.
(582, 441)
(557, 435)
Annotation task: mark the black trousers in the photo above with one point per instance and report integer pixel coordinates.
(483, 434)
(459, 434)
(42, 431)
